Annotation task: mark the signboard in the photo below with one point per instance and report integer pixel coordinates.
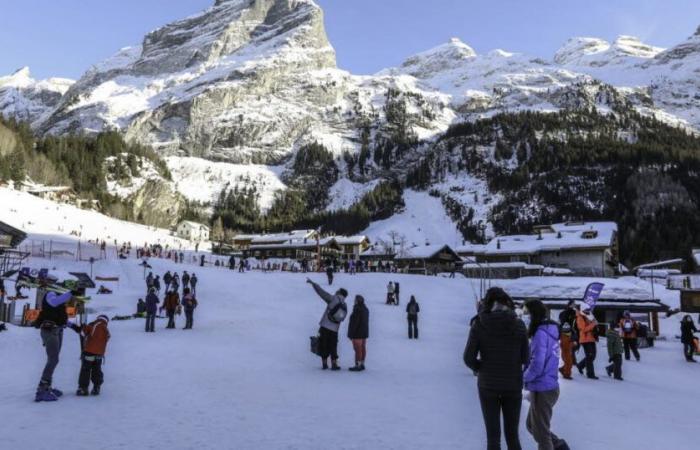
(590, 297)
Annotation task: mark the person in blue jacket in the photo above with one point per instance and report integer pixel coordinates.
(541, 377)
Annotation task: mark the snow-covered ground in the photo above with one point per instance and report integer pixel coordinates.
(244, 378)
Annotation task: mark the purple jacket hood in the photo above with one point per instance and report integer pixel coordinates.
(542, 373)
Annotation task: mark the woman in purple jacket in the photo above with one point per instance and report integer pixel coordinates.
(541, 377)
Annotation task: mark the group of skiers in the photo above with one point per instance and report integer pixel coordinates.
(358, 326)
(172, 305)
(94, 336)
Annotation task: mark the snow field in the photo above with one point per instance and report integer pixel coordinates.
(244, 377)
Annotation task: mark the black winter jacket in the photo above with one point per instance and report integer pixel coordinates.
(498, 350)
(358, 327)
(687, 330)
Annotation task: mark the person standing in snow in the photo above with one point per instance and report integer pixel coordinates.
(396, 293)
(629, 328)
(497, 351)
(358, 332)
(156, 283)
(149, 281)
(167, 279)
(232, 262)
(171, 303)
(175, 282)
(151, 310)
(189, 303)
(193, 283)
(185, 281)
(333, 316)
(412, 310)
(687, 337)
(542, 374)
(390, 293)
(586, 324)
(614, 352)
(52, 319)
(95, 336)
(329, 274)
(568, 339)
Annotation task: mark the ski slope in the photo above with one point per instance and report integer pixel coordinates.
(243, 378)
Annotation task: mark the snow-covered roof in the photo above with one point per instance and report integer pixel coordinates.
(294, 235)
(561, 236)
(696, 256)
(657, 273)
(294, 243)
(351, 240)
(668, 262)
(10, 236)
(425, 251)
(189, 223)
(503, 265)
(469, 248)
(377, 251)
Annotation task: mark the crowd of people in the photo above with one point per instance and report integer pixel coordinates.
(173, 305)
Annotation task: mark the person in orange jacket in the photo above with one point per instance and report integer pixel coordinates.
(95, 336)
(586, 324)
(629, 328)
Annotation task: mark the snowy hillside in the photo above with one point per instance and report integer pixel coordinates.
(27, 99)
(244, 378)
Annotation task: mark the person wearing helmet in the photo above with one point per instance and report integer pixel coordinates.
(95, 336)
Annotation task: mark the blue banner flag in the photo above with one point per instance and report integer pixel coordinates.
(592, 294)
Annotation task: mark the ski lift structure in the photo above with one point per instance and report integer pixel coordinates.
(11, 260)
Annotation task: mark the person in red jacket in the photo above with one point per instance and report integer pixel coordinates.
(95, 336)
(629, 328)
(586, 324)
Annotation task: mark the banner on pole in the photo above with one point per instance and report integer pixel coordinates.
(592, 294)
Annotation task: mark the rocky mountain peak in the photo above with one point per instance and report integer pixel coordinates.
(596, 52)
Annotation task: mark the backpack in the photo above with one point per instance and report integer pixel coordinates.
(338, 313)
(566, 328)
(627, 326)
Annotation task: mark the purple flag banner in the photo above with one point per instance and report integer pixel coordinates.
(592, 294)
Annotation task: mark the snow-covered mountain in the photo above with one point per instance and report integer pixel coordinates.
(29, 100)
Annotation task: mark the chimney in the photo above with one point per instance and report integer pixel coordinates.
(498, 244)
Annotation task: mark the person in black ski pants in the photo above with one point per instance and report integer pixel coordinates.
(412, 310)
(152, 302)
(329, 274)
(497, 350)
(687, 337)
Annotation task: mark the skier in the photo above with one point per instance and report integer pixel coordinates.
(167, 279)
(156, 283)
(497, 350)
(687, 337)
(396, 293)
(171, 303)
(412, 310)
(629, 328)
(541, 375)
(193, 283)
(95, 337)
(614, 352)
(358, 332)
(175, 282)
(586, 325)
(151, 309)
(334, 314)
(185, 280)
(52, 320)
(190, 303)
(569, 336)
(390, 289)
(329, 274)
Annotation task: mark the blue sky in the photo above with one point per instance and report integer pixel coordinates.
(65, 37)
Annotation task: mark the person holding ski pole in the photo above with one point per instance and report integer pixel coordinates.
(95, 336)
(334, 314)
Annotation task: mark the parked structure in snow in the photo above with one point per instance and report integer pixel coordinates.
(352, 246)
(245, 241)
(428, 259)
(584, 248)
(192, 231)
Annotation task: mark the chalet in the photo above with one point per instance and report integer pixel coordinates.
(584, 248)
(352, 246)
(428, 259)
(244, 241)
(295, 249)
(11, 259)
(192, 231)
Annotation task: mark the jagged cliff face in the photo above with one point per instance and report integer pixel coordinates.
(29, 100)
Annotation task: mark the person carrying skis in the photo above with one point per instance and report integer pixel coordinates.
(390, 293)
(189, 303)
(329, 274)
(167, 278)
(614, 352)
(333, 316)
(412, 310)
(687, 337)
(193, 283)
(171, 303)
(52, 319)
(629, 328)
(497, 351)
(542, 374)
(568, 339)
(151, 310)
(358, 332)
(185, 280)
(586, 324)
(95, 336)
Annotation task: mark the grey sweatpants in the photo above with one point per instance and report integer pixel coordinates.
(53, 340)
(540, 416)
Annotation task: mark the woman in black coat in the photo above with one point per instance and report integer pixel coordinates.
(497, 351)
(358, 332)
(687, 337)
